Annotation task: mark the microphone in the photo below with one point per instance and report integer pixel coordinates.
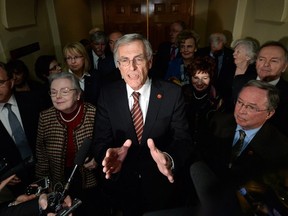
(215, 196)
(67, 211)
(56, 199)
(27, 162)
(79, 160)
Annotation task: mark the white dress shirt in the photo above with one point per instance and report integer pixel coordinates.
(144, 97)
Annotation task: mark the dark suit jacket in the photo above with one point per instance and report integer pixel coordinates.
(29, 208)
(161, 60)
(92, 88)
(267, 152)
(29, 108)
(142, 186)
(240, 80)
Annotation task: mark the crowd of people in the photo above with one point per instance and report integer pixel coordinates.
(180, 132)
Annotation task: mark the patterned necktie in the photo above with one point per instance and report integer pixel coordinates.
(236, 149)
(173, 52)
(18, 133)
(99, 62)
(137, 116)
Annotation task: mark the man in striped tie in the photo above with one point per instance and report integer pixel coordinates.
(141, 136)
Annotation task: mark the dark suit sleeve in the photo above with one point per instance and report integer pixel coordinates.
(29, 208)
(102, 134)
(181, 146)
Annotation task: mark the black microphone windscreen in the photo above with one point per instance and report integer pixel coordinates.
(82, 152)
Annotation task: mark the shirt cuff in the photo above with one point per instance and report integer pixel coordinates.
(171, 160)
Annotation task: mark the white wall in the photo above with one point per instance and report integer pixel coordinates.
(263, 30)
(18, 37)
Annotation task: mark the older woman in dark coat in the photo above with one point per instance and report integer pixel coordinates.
(61, 132)
(201, 97)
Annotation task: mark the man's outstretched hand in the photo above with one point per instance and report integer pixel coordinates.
(162, 160)
(114, 158)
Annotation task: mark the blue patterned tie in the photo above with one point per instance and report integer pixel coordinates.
(236, 149)
(18, 133)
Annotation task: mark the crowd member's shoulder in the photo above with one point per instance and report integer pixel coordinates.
(228, 50)
(49, 111)
(204, 51)
(221, 120)
(282, 85)
(163, 45)
(273, 131)
(90, 107)
(167, 85)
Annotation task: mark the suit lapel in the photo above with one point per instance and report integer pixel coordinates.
(156, 94)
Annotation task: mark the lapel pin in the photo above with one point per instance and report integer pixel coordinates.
(159, 96)
(250, 153)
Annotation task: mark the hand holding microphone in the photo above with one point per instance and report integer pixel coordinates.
(57, 199)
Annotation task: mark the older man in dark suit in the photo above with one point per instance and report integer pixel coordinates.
(225, 66)
(142, 147)
(26, 107)
(167, 50)
(247, 148)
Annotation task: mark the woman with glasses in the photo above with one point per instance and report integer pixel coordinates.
(21, 76)
(77, 62)
(177, 70)
(61, 132)
(44, 66)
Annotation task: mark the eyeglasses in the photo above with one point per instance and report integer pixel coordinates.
(55, 67)
(62, 91)
(248, 107)
(75, 58)
(125, 62)
(2, 82)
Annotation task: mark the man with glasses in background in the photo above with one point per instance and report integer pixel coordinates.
(246, 148)
(19, 113)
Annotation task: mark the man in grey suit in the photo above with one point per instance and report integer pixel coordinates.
(146, 166)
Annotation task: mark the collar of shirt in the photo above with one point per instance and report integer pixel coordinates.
(96, 58)
(82, 79)
(84, 74)
(273, 82)
(175, 47)
(249, 135)
(12, 101)
(144, 99)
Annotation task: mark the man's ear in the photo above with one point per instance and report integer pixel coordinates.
(270, 114)
(12, 83)
(285, 68)
(150, 63)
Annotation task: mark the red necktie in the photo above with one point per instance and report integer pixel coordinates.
(137, 116)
